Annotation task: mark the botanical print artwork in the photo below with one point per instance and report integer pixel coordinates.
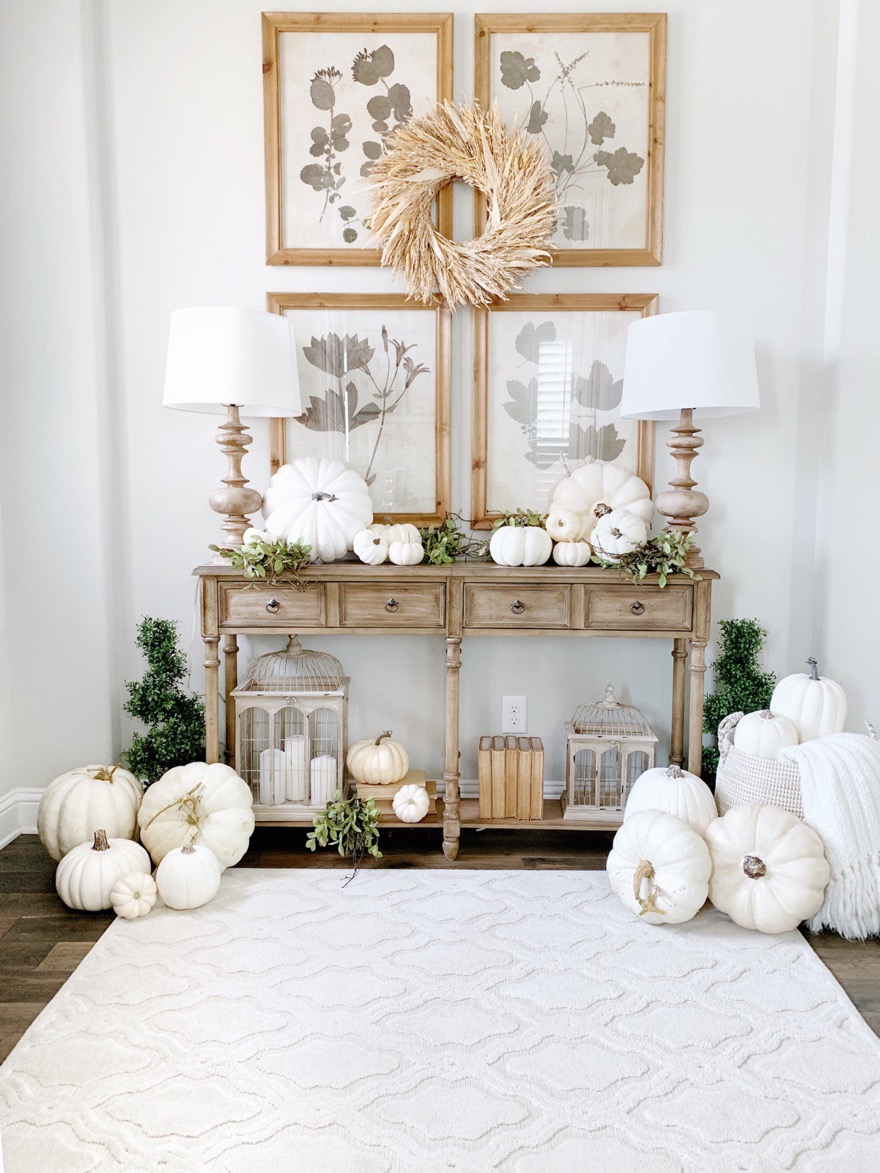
(341, 95)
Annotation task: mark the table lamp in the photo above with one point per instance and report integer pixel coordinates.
(241, 362)
(696, 362)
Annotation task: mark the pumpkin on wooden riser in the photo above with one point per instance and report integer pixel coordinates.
(209, 804)
(379, 762)
(76, 804)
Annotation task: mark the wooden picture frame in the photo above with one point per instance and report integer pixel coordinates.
(565, 373)
(351, 350)
(611, 164)
(363, 62)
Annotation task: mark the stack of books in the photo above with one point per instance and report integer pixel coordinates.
(511, 775)
(383, 796)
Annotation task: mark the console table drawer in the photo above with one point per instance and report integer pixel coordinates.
(390, 606)
(528, 607)
(635, 609)
(268, 607)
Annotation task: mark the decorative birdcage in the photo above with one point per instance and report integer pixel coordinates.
(609, 745)
(291, 728)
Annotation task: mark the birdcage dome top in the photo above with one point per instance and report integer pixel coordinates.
(610, 718)
(296, 669)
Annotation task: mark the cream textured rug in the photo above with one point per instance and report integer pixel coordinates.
(428, 1021)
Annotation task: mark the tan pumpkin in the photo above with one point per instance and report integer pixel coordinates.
(379, 762)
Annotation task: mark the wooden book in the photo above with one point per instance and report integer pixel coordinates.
(499, 776)
(510, 771)
(523, 778)
(537, 778)
(484, 776)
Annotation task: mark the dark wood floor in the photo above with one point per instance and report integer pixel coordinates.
(42, 942)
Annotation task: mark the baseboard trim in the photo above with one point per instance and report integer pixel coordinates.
(18, 813)
(470, 788)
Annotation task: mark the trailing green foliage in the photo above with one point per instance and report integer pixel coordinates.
(520, 517)
(349, 824)
(664, 555)
(445, 542)
(267, 559)
(742, 684)
(176, 719)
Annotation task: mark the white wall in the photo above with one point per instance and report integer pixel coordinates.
(150, 197)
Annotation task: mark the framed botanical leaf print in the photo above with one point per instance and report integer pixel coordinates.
(548, 384)
(335, 85)
(374, 379)
(591, 87)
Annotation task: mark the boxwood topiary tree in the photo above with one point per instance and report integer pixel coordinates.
(744, 685)
(176, 719)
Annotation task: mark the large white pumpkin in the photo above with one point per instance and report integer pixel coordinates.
(768, 868)
(676, 792)
(188, 876)
(520, 545)
(764, 733)
(378, 762)
(815, 704)
(86, 876)
(320, 502)
(202, 803)
(74, 805)
(659, 867)
(595, 489)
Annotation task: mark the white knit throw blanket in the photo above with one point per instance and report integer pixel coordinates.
(840, 783)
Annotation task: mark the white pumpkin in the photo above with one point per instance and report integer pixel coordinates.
(815, 704)
(769, 870)
(210, 803)
(520, 545)
(189, 876)
(87, 875)
(379, 762)
(764, 733)
(133, 895)
(564, 525)
(411, 803)
(74, 805)
(370, 547)
(572, 553)
(659, 867)
(320, 502)
(617, 533)
(595, 489)
(399, 532)
(675, 791)
(406, 553)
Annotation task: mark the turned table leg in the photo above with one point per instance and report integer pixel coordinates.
(230, 681)
(212, 699)
(695, 713)
(679, 664)
(451, 810)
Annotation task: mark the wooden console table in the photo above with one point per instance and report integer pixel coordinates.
(348, 598)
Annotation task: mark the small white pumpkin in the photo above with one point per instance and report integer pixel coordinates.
(618, 532)
(675, 791)
(209, 802)
(659, 867)
(520, 545)
(86, 876)
(189, 876)
(406, 553)
(400, 532)
(594, 489)
(564, 525)
(74, 805)
(370, 547)
(815, 704)
(379, 762)
(411, 803)
(320, 502)
(133, 895)
(572, 553)
(769, 870)
(764, 733)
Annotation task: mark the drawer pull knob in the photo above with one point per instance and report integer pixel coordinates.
(392, 605)
(517, 606)
(272, 606)
(637, 608)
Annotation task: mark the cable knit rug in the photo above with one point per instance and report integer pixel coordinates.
(424, 1021)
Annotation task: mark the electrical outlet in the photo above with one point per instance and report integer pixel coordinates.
(513, 714)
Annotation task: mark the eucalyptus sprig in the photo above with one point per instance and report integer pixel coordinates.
(449, 540)
(265, 558)
(349, 824)
(520, 517)
(664, 555)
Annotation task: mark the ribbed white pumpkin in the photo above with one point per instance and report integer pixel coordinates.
(406, 553)
(659, 867)
(133, 895)
(675, 791)
(74, 805)
(411, 803)
(320, 502)
(617, 533)
(86, 876)
(815, 704)
(768, 868)
(208, 803)
(594, 489)
(399, 532)
(379, 762)
(520, 545)
(765, 733)
(564, 525)
(572, 553)
(370, 547)
(189, 876)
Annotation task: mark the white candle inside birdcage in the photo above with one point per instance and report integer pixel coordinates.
(272, 780)
(296, 772)
(324, 783)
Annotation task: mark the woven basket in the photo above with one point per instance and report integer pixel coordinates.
(744, 778)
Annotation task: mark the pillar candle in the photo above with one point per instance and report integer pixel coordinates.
(272, 781)
(324, 779)
(296, 773)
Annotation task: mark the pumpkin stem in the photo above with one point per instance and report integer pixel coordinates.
(100, 843)
(645, 871)
(674, 771)
(387, 733)
(322, 496)
(190, 799)
(188, 848)
(105, 773)
(754, 867)
(814, 668)
(765, 715)
(600, 509)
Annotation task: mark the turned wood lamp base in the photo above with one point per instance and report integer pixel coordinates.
(235, 501)
(679, 502)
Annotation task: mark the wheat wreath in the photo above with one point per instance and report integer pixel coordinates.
(470, 144)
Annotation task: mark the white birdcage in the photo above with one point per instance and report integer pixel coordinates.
(609, 746)
(291, 727)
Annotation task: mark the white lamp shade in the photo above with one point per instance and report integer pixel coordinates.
(219, 356)
(698, 359)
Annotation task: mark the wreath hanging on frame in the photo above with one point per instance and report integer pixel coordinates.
(470, 144)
